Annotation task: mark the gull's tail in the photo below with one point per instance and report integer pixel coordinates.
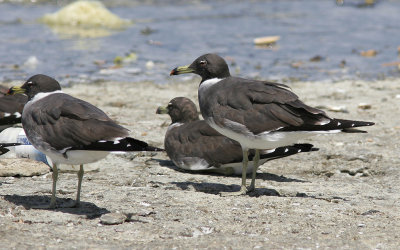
(123, 144)
(286, 151)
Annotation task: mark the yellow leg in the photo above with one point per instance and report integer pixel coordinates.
(256, 161)
(53, 192)
(243, 189)
(80, 177)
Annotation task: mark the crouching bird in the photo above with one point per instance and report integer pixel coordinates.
(193, 145)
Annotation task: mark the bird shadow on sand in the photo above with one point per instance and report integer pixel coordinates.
(260, 176)
(90, 210)
(216, 188)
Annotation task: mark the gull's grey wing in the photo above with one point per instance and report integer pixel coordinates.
(64, 121)
(12, 103)
(198, 140)
(260, 106)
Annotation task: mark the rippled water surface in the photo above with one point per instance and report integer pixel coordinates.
(166, 34)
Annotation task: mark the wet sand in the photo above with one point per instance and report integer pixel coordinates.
(346, 195)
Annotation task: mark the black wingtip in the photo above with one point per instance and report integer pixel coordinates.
(305, 147)
(282, 152)
(127, 144)
(4, 149)
(353, 130)
(10, 119)
(4, 145)
(362, 123)
(349, 126)
(138, 145)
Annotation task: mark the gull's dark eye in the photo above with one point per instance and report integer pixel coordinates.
(30, 83)
(203, 63)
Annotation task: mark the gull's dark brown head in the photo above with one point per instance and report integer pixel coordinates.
(180, 109)
(36, 84)
(207, 66)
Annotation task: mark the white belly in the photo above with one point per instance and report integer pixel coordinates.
(267, 140)
(76, 157)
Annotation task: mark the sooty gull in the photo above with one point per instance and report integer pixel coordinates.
(69, 130)
(193, 145)
(257, 114)
(10, 108)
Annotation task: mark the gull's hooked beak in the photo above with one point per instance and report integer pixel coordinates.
(162, 110)
(181, 70)
(16, 90)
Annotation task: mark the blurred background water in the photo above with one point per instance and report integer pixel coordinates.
(319, 40)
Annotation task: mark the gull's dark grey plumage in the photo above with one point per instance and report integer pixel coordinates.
(257, 114)
(69, 130)
(193, 145)
(10, 108)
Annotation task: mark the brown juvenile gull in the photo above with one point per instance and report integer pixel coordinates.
(193, 145)
(69, 130)
(258, 114)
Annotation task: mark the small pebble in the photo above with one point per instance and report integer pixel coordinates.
(370, 212)
(342, 109)
(112, 219)
(364, 106)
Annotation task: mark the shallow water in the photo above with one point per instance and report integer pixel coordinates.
(180, 31)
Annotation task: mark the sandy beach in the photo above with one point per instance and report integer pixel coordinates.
(346, 195)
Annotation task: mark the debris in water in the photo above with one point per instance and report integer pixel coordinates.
(266, 40)
(369, 53)
(316, 58)
(131, 57)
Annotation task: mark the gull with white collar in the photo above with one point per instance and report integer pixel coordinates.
(69, 130)
(258, 114)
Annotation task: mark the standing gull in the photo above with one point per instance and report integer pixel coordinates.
(257, 114)
(193, 145)
(69, 130)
